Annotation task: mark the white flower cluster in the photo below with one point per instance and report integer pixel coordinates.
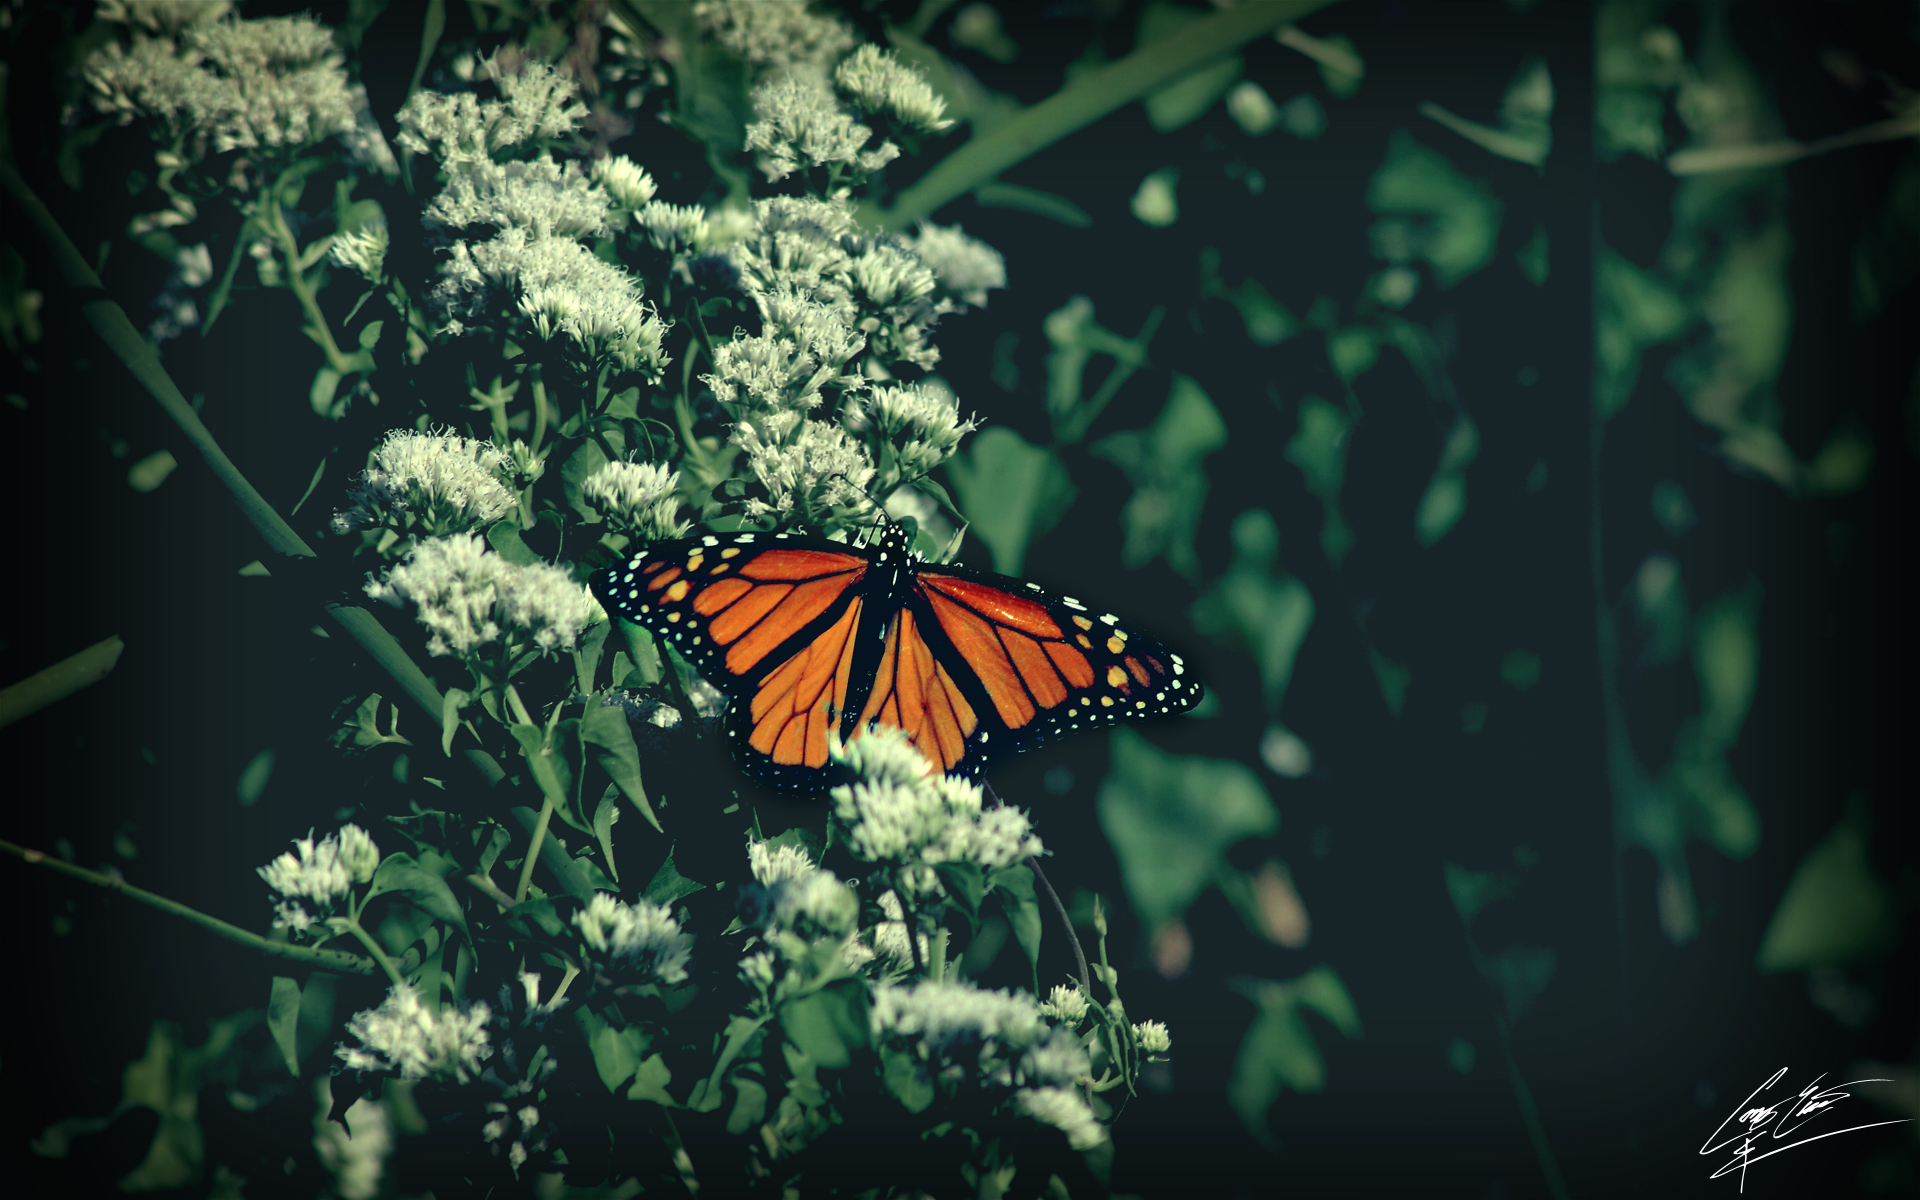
(1066, 1004)
(164, 17)
(405, 1036)
(966, 267)
(923, 424)
(794, 894)
(776, 34)
(638, 499)
(432, 483)
(800, 125)
(1015, 1047)
(901, 811)
(470, 597)
(321, 872)
(540, 209)
(878, 82)
(634, 932)
(1152, 1036)
(804, 465)
(363, 250)
(277, 83)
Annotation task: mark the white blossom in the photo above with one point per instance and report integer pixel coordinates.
(901, 811)
(469, 597)
(799, 125)
(1066, 1003)
(942, 1016)
(1152, 1037)
(878, 82)
(637, 499)
(809, 466)
(889, 935)
(793, 893)
(636, 931)
(1064, 1109)
(625, 181)
(536, 102)
(357, 1153)
(165, 17)
(673, 227)
(363, 250)
(544, 197)
(775, 33)
(1058, 1059)
(614, 324)
(404, 1035)
(436, 482)
(325, 870)
(966, 267)
(921, 420)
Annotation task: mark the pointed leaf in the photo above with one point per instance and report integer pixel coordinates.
(283, 1020)
(607, 728)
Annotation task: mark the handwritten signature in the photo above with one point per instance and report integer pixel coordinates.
(1754, 1122)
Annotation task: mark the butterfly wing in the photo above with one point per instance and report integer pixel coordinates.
(770, 620)
(1021, 667)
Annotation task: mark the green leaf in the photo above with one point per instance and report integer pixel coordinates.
(370, 334)
(253, 778)
(586, 655)
(604, 816)
(1726, 660)
(1171, 818)
(1633, 311)
(1519, 974)
(907, 1078)
(828, 1025)
(743, 1033)
(1319, 448)
(1014, 888)
(616, 1052)
(1472, 891)
(1279, 1050)
(504, 536)
(1836, 910)
(1257, 606)
(1164, 462)
(650, 1082)
(668, 884)
(1393, 679)
(607, 728)
(1445, 501)
(401, 873)
(574, 473)
(283, 1020)
(749, 1105)
(1187, 98)
(450, 706)
(1437, 214)
(366, 725)
(965, 885)
(550, 771)
(326, 381)
(1011, 491)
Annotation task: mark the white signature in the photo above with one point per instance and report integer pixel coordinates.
(1781, 1119)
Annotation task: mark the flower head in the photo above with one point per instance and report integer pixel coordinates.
(429, 483)
(793, 894)
(799, 125)
(1065, 1003)
(878, 82)
(947, 1016)
(470, 597)
(922, 422)
(776, 35)
(405, 1036)
(355, 1149)
(629, 185)
(325, 870)
(638, 499)
(1152, 1037)
(902, 812)
(804, 466)
(1064, 1109)
(537, 103)
(643, 934)
(966, 267)
(363, 250)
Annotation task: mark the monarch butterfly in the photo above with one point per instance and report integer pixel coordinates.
(809, 636)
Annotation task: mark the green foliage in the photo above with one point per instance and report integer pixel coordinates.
(1279, 1051)
(1171, 819)
(1185, 100)
(1014, 490)
(1836, 910)
(1433, 212)
(1257, 606)
(1164, 462)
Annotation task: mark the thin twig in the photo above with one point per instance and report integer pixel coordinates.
(338, 960)
(60, 680)
(1066, 922)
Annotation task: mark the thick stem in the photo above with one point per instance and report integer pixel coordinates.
(333, 960)
(533, 851)
(373, 948)
(1089, 98)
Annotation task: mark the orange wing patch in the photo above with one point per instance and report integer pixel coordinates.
(916, 695)
(1000, 606)
(793, 566)
(797, 704)
(977, 643)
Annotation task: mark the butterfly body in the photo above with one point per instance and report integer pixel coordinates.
(812, 638)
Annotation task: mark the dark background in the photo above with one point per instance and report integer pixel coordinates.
(1636, 1049)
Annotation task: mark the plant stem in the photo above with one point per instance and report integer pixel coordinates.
(1066, 922)
(1086, 100)
(373, 948)
(1530, 1116)
(336, 960)
(533, 851)
(60, 680)
(303, 291)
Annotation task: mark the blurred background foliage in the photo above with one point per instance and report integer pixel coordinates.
(1511, 406)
